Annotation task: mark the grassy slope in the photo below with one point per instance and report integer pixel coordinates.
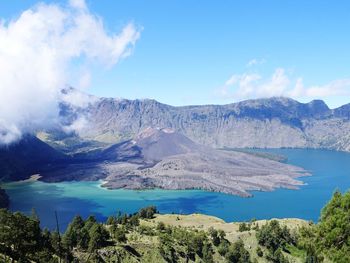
(233, 234)
(143, 248)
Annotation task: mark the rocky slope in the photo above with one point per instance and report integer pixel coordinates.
(163, 158)
(26, 157)
(264, 123)
(155, 158)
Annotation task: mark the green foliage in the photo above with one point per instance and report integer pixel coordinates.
(22, 240)
(166, 248)
(207, 253)
(4, 199)
(213, 233)
(223, 248)
(112, 220)
(331, 236)
(74, 233)
(334, 228)
(277, 256)
(259, 252)
(273, 236)
(147, 212)
(160, 226)
(119, 234)
(98, 237)
(89, 222)
(244, 227)
(237, 253)
(21, 237)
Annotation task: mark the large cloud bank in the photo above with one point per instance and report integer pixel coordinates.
(37, 52)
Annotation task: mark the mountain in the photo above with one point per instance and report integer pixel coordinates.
(164, 158)
(263, 123)
(26, 157)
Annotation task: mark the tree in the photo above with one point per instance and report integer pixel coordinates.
(111, 220)
(207, 253)
(119, 234)
(134, 220)
(147, 212)
(89, 222)
(237, 253)
(223, 248)
(160, 226)
(213, 233)
(98, 237)
(273, 236)
(74, 232)
(197, 242)
(277, 256)
(20, 236)
(4, 199)
(244, 227)
(331, 236)
(166, 248)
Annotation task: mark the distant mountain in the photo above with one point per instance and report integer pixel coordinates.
(154, 158)
(263, 123)
(149, 146)
(164, 158)
(26, 157)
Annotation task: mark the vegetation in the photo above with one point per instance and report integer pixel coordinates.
(141, 237)
(4, 199)
(330, 238)
(244, 227)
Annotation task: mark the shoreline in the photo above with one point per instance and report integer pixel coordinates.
(32, 178)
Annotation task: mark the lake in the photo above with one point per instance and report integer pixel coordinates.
(330, 170)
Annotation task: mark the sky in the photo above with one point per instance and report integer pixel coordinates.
(204, 52)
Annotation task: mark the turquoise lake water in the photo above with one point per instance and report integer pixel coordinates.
(330, 170)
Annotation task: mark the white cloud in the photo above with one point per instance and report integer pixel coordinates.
(77, 98)
(253, 85)
(77, 126)
(80, 4)
(37, 52)
(84, 81)
(276, 86)
(340, 87)
(255, 61)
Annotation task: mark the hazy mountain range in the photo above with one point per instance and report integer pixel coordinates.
(138, 144)
(263, 123)
(155, 158)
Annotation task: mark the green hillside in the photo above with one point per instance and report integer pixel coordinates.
(150, 237)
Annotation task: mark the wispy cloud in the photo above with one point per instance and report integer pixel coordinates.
(255, 61)
(254, 85)
(37, 52)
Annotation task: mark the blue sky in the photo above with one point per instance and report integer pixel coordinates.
(205, 52)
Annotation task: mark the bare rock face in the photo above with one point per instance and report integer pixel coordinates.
(170, 160)
(156, 144)
(164, 158)
(263, 123)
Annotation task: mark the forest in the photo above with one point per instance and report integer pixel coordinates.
(139, 237)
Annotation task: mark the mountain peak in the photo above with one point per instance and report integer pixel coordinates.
(157, 143)
(150, 131)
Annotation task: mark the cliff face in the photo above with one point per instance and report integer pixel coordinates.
(262, 123)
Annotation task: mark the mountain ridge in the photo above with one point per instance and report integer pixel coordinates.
(262, 123)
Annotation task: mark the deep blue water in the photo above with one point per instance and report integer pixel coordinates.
(330, 170)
